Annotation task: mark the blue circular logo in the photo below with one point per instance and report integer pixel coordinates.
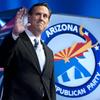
(76, 59)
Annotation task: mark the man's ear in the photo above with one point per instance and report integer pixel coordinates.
(29, 18)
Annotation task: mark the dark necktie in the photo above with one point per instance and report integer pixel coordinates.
(35, 43)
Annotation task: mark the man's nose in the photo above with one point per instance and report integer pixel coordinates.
(41, 17)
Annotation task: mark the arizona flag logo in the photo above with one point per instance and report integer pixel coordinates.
(69, 55)
(76, 60)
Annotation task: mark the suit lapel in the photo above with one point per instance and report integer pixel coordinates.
(46, 55)
(30, 50)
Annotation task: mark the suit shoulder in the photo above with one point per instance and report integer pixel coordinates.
(48, 47)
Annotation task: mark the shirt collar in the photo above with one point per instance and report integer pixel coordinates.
(32, 36)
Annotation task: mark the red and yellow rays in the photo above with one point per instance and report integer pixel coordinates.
(62, 55)
(75, 50)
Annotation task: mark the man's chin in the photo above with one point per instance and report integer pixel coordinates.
(41, 29)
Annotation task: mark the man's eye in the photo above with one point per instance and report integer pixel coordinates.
(45, 16)
(38, 14)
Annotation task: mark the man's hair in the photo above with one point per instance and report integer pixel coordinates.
(39, 4)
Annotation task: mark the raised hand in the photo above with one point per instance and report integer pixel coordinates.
(19, 26)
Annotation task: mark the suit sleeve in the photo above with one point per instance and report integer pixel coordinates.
(52, 86)
(6, 50)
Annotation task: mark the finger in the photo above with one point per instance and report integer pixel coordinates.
(25, 10)
(20, 13)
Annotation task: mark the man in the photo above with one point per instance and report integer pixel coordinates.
(28, 63)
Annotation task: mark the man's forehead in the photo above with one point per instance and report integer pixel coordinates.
(40, 9)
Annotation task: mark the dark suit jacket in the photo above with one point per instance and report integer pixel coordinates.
(23, 79)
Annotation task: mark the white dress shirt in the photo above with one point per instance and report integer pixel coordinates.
(39, 50)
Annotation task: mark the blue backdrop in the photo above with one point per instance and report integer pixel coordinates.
(8, 9)
(88, 8)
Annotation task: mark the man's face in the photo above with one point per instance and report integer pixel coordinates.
(39, 19)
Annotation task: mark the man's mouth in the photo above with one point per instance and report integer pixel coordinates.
(41, 23)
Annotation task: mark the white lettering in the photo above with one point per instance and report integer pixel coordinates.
(70, 27)
(75, 29)
(64, 27)
(61, 27)
(71, 93)
(94, 82)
